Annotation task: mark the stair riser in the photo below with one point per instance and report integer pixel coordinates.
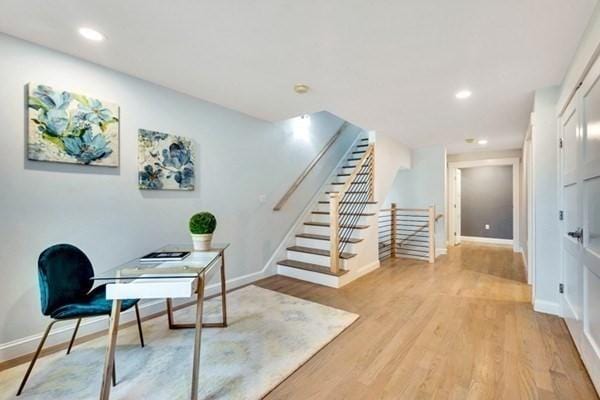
(312, 258)
(324, 245)
(357, 186)
(369, 208)
(346, 170)
(343, 179)
(348, 197)
(320, 230)
(325, 218)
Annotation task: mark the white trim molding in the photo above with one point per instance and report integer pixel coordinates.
(547, 307)
(485, 240)
(62, 333)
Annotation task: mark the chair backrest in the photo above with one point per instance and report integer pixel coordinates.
(64, 274)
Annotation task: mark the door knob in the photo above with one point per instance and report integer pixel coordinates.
(578, 234)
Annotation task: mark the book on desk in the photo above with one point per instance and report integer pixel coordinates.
(162, 256)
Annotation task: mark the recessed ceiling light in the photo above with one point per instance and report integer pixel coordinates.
(463, 94)
(91, 34)
(301, 88)
(482, 141)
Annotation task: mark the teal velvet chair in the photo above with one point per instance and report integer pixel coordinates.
(64, 274)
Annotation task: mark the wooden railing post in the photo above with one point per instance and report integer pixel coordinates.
(393, 215)
(334, 232)
(431, 224)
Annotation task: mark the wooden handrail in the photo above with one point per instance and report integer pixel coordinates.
(306, 171)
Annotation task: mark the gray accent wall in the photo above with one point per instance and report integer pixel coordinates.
(487, 199)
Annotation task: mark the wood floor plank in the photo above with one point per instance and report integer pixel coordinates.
(462, 328)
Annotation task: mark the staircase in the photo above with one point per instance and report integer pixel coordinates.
(328, 243)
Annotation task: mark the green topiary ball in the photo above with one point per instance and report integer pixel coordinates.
(203, 223)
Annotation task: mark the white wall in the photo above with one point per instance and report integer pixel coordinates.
(238, 158)
(391, 157)
(545, 200)
(588, 47)
(484, 155)
(423, 185)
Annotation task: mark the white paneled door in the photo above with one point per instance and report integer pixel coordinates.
(580, 167)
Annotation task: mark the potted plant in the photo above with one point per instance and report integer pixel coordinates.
(202, 226)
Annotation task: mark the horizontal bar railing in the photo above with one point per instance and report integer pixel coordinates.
(407, 232)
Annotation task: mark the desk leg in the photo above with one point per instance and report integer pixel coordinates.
(223, 291)
(222, 324)
(110, 351)
(198, 337)
(170, 313)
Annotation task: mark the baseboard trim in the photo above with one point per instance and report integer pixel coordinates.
(441, 252)
(497, 242)
(547, 307)
(62, 334)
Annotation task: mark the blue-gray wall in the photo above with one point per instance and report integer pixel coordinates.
(240, 161)
(424, 185)
(487, 198)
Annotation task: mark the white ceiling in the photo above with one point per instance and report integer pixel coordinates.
(391, 66)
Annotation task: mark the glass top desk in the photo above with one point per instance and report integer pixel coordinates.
(166, 279)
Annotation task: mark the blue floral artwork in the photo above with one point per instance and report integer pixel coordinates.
(166, 162)
(72, 128)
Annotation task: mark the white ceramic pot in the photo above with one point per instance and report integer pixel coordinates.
(202, 242)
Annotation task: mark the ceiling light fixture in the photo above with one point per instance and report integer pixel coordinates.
(91, 34)
(463, 94)
(470, 140)
(301, 88)
(482, 141)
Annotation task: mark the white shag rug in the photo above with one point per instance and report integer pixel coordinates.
(269, 336)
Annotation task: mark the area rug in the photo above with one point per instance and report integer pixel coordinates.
(269, 336)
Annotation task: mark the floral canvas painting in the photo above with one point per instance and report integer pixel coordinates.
(72, 128)
(166, 162)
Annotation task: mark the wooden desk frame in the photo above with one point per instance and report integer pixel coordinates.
(198, 325)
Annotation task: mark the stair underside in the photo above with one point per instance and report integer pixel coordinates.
(326, 238)
(310, 267)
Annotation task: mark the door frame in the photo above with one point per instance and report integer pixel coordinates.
(453, 238)
(512, 161)
(528, 182)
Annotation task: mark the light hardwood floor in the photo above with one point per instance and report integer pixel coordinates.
(462, 328)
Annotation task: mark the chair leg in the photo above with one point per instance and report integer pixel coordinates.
(114, 374)
(139, 324)
(35, 357)
(74, 335)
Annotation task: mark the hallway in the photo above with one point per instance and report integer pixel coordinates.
(462, 328)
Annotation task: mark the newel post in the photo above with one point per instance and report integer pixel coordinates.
(334, 232)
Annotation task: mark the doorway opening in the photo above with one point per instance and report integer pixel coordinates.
(484, 202)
